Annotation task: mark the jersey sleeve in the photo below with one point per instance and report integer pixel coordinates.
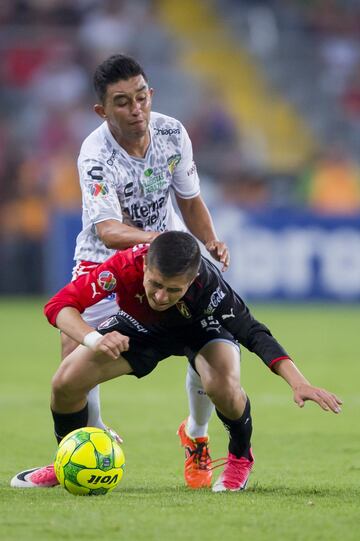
(226, 306)
(88, 289)
(185, 179)
(97, 181)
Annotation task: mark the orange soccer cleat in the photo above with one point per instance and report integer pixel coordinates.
(197, 471)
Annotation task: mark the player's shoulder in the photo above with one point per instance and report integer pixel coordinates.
(95, 145)
(209, 275)
(132, 257)
(164, 125)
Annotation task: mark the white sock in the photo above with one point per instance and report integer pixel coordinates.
(200, 405)
(94, 418)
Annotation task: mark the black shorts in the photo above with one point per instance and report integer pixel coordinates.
(148, 348)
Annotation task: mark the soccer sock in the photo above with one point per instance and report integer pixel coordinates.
(200, 405)
(67, 422)
(94, 418)
(240, 431)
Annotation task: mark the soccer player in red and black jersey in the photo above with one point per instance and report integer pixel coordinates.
(173, 302)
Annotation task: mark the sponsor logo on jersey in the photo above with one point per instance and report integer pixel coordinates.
(140, 297)
(146, 213)
(106, 280)
(167, 131)
(129, 189)
(215, 299)
(132, 320)
(153, 181)
(183, 309)
(98, 189)
(110, 161)
(211, 324)
(94, 172)
(227, 316)
(108, 323)
(93, 287)
(192, 170)
(173, 161)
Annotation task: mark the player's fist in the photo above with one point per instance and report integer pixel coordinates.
(112, 344)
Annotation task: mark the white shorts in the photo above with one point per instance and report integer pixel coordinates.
(96, 314)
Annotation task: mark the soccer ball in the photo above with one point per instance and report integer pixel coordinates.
(89, 461)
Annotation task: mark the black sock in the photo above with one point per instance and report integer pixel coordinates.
(66, 422)
(240, 431)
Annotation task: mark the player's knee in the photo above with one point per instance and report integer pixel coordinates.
(63, 386)
(223, 388)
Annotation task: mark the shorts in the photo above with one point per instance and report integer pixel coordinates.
(97, 313)
(147, 348)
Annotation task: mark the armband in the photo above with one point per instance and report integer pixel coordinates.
(91, 339)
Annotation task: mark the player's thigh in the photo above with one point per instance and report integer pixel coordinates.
(218, 364)
(83, 369)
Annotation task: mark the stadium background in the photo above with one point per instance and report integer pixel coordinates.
(269, 92)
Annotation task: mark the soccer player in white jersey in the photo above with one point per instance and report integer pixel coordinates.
(128, 168)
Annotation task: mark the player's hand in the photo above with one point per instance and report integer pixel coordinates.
(326, 400)
(220, 252)
(112, 344)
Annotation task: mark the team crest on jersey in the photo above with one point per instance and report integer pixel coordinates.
(107, 281)
(183, 309)
(173, 161)
(98, 189)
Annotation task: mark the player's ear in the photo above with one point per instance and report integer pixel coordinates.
(145, 262)
(100, 110)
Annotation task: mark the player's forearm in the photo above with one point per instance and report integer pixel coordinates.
(118, 236)
(71, 323)
(197, 218)
(290, 373)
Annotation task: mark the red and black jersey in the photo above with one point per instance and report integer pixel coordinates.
(209, 301)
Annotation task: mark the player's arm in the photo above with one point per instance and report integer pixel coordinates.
(198, 220)
(119, 236)
(303, 390)
(256, 337)
(69, 321)
(195, 213)
(64, 309)
(101, 203)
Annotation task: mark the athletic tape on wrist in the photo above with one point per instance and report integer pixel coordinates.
(91, 339)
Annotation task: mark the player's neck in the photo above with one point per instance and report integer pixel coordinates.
(134, 147)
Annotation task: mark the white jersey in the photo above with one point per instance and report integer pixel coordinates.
(135, 191)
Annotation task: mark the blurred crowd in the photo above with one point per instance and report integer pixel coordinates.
(49, 49)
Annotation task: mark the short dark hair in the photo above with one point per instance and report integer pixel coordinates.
(117, 67)
(174, 253)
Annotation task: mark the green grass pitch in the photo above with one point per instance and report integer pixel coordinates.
(306, 481)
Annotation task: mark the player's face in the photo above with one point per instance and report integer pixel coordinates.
(127, 108)
(162, 292)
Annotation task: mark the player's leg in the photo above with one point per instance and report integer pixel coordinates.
(218, 364)
(193, 433)
(200, 405)
(80, 371)
(93, 316)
